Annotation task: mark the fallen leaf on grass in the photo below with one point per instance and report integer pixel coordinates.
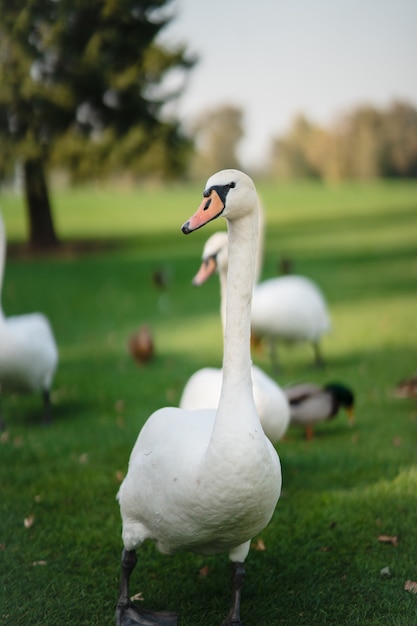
(120, 406)
(38, 563)
(137, 596)
(4, 438)
(388, 539)
(385, 572)
(28, 521)
(204, 571)
(410, 585)
(119, 476)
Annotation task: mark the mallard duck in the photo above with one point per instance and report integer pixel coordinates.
(28, 351)
(311, 404)
(206, 481)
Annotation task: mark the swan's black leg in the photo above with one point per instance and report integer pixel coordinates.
(238, 576)
(318, 357)
(273, 353)
(129, 614)
(47, 413)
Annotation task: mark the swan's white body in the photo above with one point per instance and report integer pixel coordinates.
(207, 481)
(291, 308)
(28, 352)
(202, 389)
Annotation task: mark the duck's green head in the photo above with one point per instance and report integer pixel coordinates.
(343, 396)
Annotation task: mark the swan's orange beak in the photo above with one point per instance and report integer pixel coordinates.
(210, 208)
(207, 268)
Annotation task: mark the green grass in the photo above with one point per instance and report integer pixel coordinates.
(341, 491)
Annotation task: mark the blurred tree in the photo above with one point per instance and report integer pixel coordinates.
(82, 84)
(364, 143)
(217, 133)
(400, 139)
(292, 155)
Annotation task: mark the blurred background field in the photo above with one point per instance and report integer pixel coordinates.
(323, 554)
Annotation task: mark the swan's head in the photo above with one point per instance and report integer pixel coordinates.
(214, 258)
(230, 193)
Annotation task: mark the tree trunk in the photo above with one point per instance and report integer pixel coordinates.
(41, 227)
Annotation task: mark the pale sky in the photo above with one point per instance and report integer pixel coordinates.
(276, 58)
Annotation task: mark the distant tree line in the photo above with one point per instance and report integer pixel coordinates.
(366, 143)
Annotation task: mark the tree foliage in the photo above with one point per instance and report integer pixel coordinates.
(217, 133)
(366, 143)
(82, 85)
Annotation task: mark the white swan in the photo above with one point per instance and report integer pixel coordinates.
(28, 352)
(202, 389)
(288, 308)
(291, 309)
(206, 481)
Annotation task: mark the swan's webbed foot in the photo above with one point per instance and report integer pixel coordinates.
(230, 621)
(133, 615)
(130, 614)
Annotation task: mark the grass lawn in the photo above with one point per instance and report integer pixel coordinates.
(323, 558)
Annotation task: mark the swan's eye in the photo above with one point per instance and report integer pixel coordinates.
(232, 185)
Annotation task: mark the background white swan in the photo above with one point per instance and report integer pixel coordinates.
(290, 309)
(287, 308)
(207, 481)
(28, 352)
(202, 389)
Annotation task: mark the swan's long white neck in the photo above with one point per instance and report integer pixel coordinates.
(223, 292)
(223, 266)
(236, 405)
